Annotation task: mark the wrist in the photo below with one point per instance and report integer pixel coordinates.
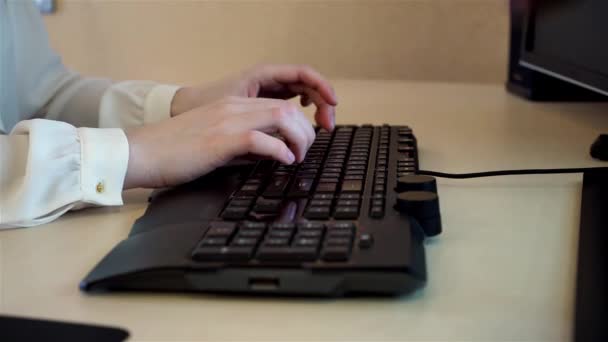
(182, 101)
(131, 177)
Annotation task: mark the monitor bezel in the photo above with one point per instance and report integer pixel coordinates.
(551, 66)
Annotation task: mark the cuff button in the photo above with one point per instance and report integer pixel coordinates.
(100, 188)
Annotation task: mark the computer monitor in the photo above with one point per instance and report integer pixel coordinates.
(568, 40)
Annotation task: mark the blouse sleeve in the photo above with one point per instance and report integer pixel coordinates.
(49, 167)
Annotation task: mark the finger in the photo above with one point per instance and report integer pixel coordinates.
(325, 115)
(260, 144)
(250, 106)
(287, 74)
(284, 118)
(308, 130)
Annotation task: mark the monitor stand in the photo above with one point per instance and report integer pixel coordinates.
(591, 310)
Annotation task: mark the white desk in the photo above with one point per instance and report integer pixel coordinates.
(502, 270)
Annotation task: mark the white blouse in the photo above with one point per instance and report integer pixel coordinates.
(56, 158)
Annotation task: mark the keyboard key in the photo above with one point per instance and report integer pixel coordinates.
(377, 203)
(306, 241)
(253, 225)
(404, 131)
(277, 187)
(352, 186)
(357, 162)
(310, 233)
(267, 206)
(342, 225)
(376, 212)
(307, 173)
(301, 187)
(311, 226)
(276, 241)
(354, 177)
(321, 203)
(280, 234)
(244, 241)
(283, 225)
(250, 233)
(406, 169)
(402, 174)
(220, 231)
(338, 241)
(349, 196)
(338, 161)
(339, 233)
(366, 240)
(317, 213)
(214, 241)
(330, 175)
(306, 166)
(229, 253)
(249, 190)
(326, 187)
(323, 196)
(348, 203)
(359, 154)
(332, 169)
(235, 213)
(346, 213)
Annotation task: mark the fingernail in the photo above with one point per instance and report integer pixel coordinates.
(291, 157)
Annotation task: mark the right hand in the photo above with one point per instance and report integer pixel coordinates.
(194, 143)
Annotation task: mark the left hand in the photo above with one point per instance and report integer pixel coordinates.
(270, 81)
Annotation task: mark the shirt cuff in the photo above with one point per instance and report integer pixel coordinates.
(157, 106)
(104, 162)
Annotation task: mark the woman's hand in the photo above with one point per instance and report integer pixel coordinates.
(184, 148)
(267, 81)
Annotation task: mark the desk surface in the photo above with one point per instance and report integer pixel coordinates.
(504, 268)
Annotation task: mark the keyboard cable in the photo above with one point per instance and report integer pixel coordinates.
(510, 172)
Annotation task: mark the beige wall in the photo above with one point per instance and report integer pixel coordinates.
(190, 41)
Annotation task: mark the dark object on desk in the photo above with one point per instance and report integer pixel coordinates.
(27, 329)
(328, 226)
(599, 149)
(558, 50)
(592, 271)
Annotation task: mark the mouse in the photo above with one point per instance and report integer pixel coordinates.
(599, 149)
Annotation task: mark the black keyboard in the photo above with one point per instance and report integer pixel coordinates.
(331, 225)
(328, 184)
